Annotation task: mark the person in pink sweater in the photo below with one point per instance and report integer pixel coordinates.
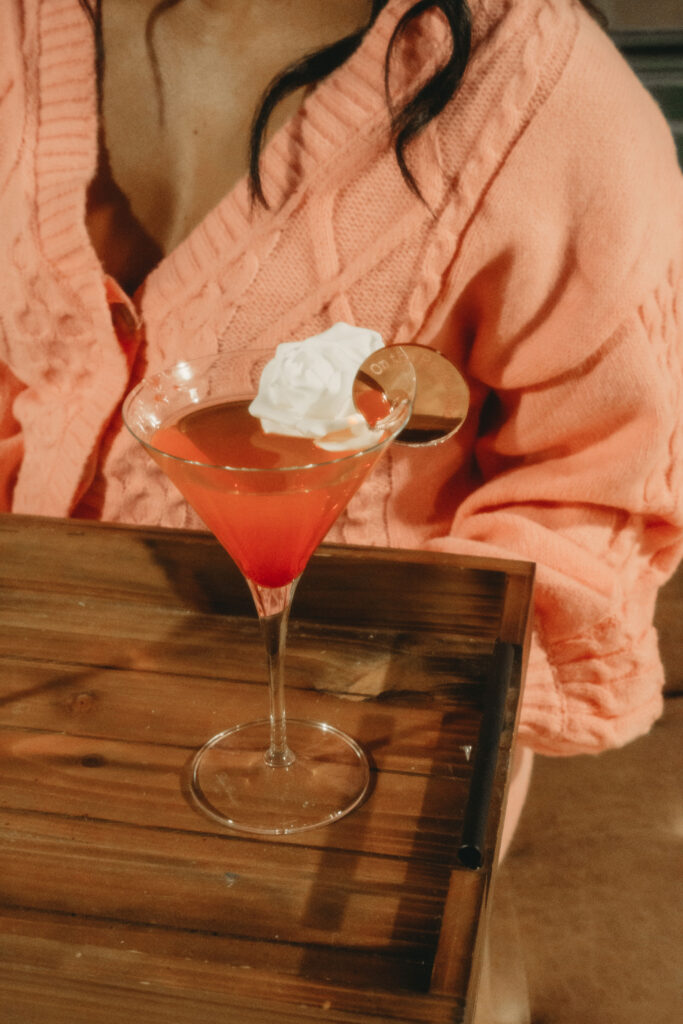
(532, 231)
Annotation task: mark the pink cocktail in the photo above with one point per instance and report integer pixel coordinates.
(269, 521)
(269, 499)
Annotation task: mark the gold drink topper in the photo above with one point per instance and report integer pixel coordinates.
(441, 399)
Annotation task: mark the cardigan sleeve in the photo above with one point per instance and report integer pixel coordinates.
(582, 475)
(573, 293)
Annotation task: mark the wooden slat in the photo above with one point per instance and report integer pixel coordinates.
(189, 571)
(141, 785)
(42, 981)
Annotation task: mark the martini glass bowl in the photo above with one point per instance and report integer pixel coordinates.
(269, 500)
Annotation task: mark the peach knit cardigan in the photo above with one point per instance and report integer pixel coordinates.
(546, 262)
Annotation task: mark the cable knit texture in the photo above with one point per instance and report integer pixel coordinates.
(546, 262)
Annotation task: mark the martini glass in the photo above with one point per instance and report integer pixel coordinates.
(269, 500)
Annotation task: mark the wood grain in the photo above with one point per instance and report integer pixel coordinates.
(122, 650)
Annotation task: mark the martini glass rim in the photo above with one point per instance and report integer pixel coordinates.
(390, 426)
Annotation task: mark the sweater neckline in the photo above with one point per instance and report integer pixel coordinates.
(347, 102)
(345, 108)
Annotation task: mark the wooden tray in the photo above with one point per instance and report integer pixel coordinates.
(122, 650)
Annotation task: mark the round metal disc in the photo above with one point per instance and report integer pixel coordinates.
(442, 396)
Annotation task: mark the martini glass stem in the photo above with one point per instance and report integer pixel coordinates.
(273, 605)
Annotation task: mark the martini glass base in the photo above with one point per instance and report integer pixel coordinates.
(232, 783)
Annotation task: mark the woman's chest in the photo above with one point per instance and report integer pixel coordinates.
(178, 97)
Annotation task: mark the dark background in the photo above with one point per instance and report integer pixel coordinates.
(650, 35)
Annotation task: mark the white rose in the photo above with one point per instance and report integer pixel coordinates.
(306, 389)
